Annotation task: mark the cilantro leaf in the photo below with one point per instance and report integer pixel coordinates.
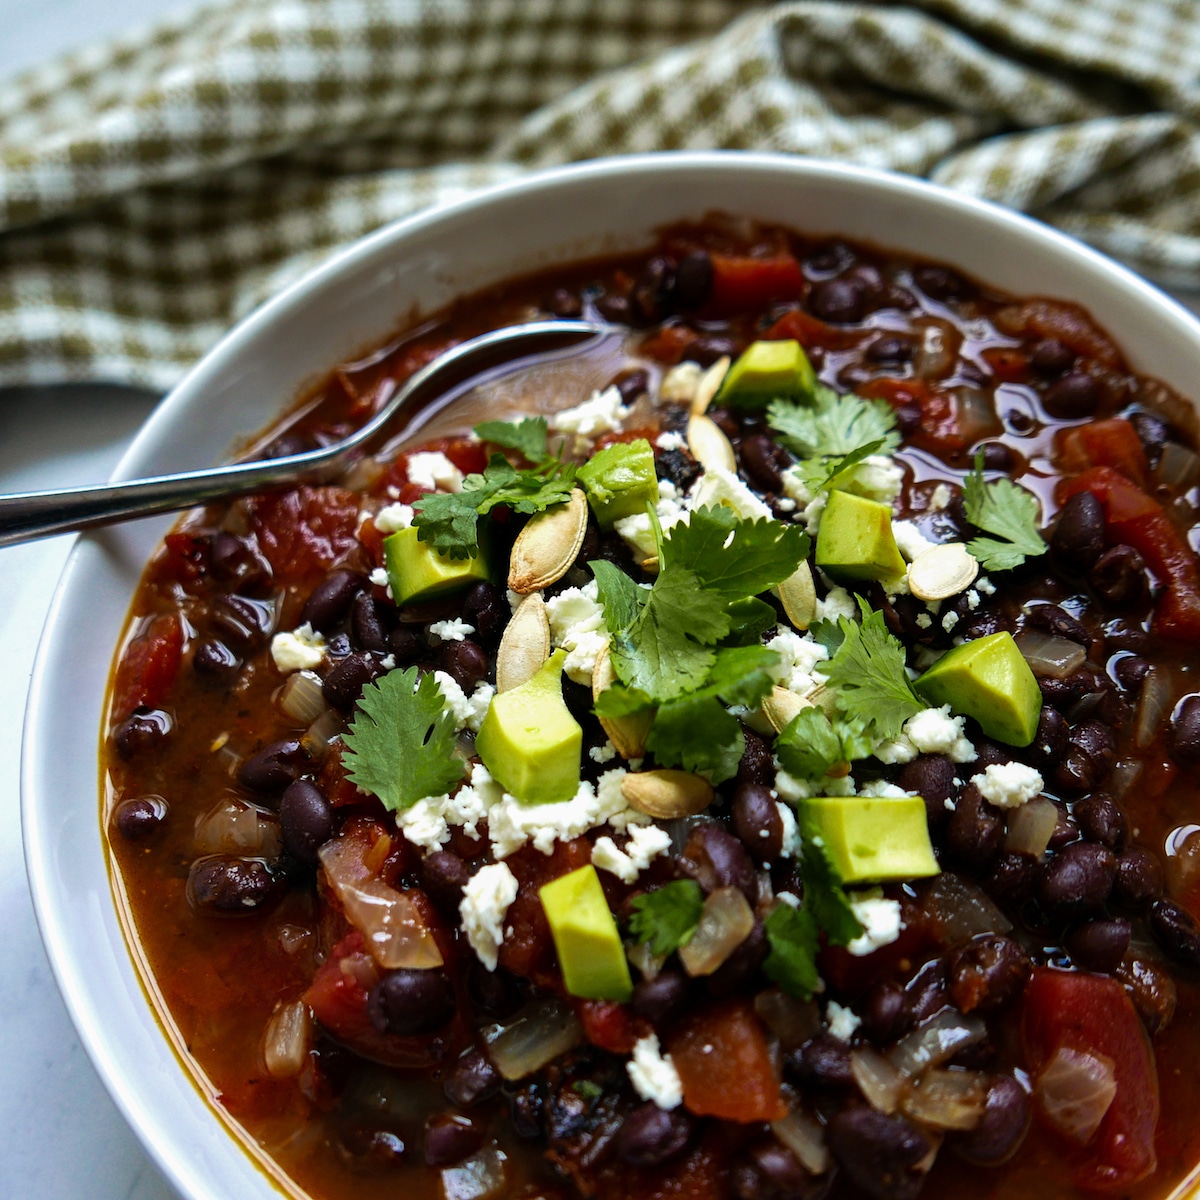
(834, 424)
(527, 437)
(792, 961)
(749, 619)
(824, 896)
(621, 597)
(739, 674)
(400, 745)
(868, 671)
(828, 633)
(812, 743)
(1008, 511)
(831, 471)
(667, 917)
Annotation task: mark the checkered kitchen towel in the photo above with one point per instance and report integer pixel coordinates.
(155, 189)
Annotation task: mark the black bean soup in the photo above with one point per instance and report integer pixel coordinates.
(716, 947)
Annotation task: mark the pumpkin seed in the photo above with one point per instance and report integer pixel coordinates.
(525, 645)
(627, 734)
(710, 384)
(709, 445)
(942, 571)
(781, 707)
(666, 794)
(799, 597)
(548, 545)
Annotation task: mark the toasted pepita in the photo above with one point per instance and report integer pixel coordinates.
(710, 384)
(667, 794)
(627, 734)
(525, 645)
(825, 698)
(709, 445)
(942, 571)
(781, 707)
(548, 545)
(799, 597)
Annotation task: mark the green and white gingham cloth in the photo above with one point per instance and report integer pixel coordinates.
(155, 189)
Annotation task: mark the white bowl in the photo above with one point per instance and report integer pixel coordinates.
(355, 299)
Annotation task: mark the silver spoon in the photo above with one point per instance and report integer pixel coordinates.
(29, 515)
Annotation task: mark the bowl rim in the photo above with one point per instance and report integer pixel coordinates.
(168, 1147)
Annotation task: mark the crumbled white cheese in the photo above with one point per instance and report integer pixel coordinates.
(972, 599)
(427, 823)
(842, 1021)
(680, 383)
(984, 586)
(791, 787)
(924, 621)
(515, 598)
(577, 626)
(646, 842)
(486, 898)
(883, 789)
(301, 650)
(393, 517)
(785, 504)
(720, 486)
(453, 630)
(602, 754)
(468, 712)
(790, 845)
(910, 541)
(602, 412)
(935, 731)
(878, 477)
(799, 654)
(671, 441)
(431, 470)
(879, 918)
(837, 603)
(671, 510)
(379, 577)
(1008, 785)
(940, 497)
(388, 662)
(949, 620)
(653, 1073)
(480, 702)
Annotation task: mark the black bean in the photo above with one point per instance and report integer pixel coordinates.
(494, 992)
(987, 973)
(1152, 990)
(757, 822)
(243, 624)
(305, 820)
(615, 308)
(653, 295)
(371, 621)
(1131, 671)
(840, 301)
(1075, 395)
(364, 1147)
(693, 279)
(989, 754)
(975, 831)
(1175, 931)
(735, 973)
(1078, 537)
(1121, 634)
(1050, 357)
(998, 457)
(886, 1012)
(830, 258)
(889, 349)
(1099, 945)
(1064, 693)
(823, 1061)
(525, 1106)
(772, 1172)
(756, 764)
(1066, 829)
(411, 1002)
(1152, 432)
(485, 607)
(227, 886)
(338, 646)
(941, 283)
(143, 730)
(466, 662)
(274, 766)
(651, 1135)
(1119, 576)
(1002, 1127)
(1049, 742)
(764, 461)
(443, 876)
(139, 816)
(677, 467)
(1183, 733)
(1101, 820)
(1012, 878)
(716, 859)
(878, 1153)
(706, 349)
(563, 303)
(215, 661)
(1077, 880)
(662, 998)
(330, 600)
(344, 684)
(406, 645)
(1139, 878)
(1056, 620)
(932, 777)
(472, 1080)
(449, 1138)
(927, 991)
(1091, 751)
(233, 560)
(983, 624)
(908, 419)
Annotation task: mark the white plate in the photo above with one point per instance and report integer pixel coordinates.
(357, 299)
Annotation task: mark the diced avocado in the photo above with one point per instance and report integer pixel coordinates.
(530, 742)
(871, 839)
(586, 937)
(855, 540)
(620, 481)
(987, 679)
(767, 371)
(417, 572)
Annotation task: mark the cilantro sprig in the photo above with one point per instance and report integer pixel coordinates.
(400, 745)
(1010, 512)
(528, 437)
(832, 424)
(666, 918)
(812, 744)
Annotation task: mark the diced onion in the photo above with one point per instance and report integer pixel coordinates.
(322, 733)
(395, 933)
(1178, 468)
(938, 1040)
(881, 1084)
(301, 697)
(960, 910)
(1050, 657)
(937, 351)
(1123, 776)
(947, 1099)
(287, 1039)
(724, 925)
(543, 1031)
(1075, 1090)
(1153, 702)
(792, 1021)
(1031, 827)
(238, 827)
(804, 1136)
(680, 829)
(975, 414)
(480, 1177)
(646, 961)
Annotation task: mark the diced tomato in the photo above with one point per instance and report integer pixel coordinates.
(611, 1026)
(626, 436)
(743, 283)
(1008, 364)
(371, 537)
(1093, 1014)
(1112, 443)
(700, 1174)
(725, 1064)
(305, 531)
(853, 975)
(149, 665)
(1068, 323)
(941, 429)
(1138, 520)
(798, 326)
(668, 344)
(187, 559)
(468, 456)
